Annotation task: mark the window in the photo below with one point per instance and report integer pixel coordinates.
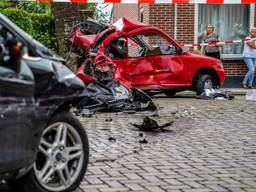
(231, 22)
(134, 49)
(117, 49)
(149, 45)
(4, 35)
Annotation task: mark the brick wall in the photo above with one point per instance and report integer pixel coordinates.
(255, 16)
(162, 16)
(67, 15)
(185, 30)
(235, 68)
(130, 11)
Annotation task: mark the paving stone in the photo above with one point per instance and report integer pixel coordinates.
(122, 189)
(209, 148)
(134, 187)
(173, 181)
(155, 189)
(216, 187)
(193, 184)
(132, 176)
(198, 190)
(114, 184)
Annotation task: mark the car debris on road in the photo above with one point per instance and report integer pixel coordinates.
(150, 124)
(216, 94)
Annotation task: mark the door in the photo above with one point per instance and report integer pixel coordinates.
(157, 63)
(17, 106)
(139, 68)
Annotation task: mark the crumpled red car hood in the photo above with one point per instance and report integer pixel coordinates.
(80, 39)
(87, 41)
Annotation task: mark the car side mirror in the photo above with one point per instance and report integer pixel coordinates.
(179, 51)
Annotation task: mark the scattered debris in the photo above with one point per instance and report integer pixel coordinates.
(216, 94)
(174, 112)
(130, 111)
(142, 139)
(119, 113)
(135, 151)
(104, 160)
(112, 139)
(246, 153)
(150, 124)
(251, 95)
(83, 113)
(109, 119)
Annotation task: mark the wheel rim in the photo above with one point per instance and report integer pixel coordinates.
(208, 84)
(60, 157)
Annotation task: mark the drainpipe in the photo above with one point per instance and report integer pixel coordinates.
(175, 20)
(113, 14)
(138, 12)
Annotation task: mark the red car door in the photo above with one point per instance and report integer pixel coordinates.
(139, 69)
(158, 63)
(170, 70)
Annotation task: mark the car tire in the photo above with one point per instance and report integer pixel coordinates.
(63, 176)
(170, 93)
(205, 81)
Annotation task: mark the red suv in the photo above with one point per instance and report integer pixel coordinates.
(147, 58)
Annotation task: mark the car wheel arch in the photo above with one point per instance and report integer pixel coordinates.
(206, 71)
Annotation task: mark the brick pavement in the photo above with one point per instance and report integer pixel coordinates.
(210, 147)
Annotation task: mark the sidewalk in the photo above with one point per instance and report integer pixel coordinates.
(236, 91)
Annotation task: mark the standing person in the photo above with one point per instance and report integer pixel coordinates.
(249, 55)
(211, 37)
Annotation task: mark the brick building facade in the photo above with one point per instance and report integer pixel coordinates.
(184, 22)
(66, 15)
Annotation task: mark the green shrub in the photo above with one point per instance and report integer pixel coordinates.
(35, 7)
(40, 25)
(5, 4)
(44, 29)
(20, 17)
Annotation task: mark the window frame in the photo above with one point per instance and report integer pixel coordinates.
(130, 37)
(223, 56)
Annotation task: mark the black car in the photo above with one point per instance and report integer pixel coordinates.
(43, 147)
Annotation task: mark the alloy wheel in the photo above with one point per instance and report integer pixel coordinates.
(60, 157)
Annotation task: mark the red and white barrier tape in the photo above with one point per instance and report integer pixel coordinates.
(205, 44)
(217, 43)
(153, 1)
